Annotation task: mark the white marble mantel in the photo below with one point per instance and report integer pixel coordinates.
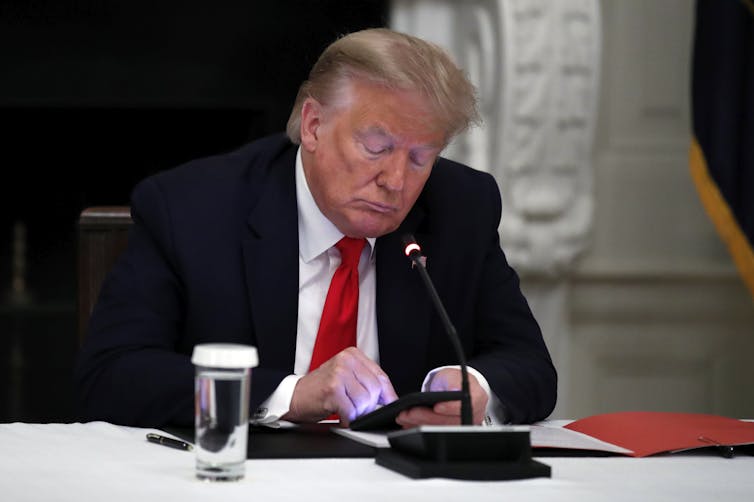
(536, 66)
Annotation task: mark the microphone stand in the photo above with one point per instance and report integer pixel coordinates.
(462, 452)
(416, 257)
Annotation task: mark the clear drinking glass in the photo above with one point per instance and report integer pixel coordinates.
(222, 383)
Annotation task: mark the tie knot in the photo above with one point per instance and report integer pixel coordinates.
(350, 250)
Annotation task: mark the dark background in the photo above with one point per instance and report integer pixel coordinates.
(97, 94)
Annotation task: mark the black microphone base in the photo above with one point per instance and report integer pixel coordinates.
(480, 471)
(464, 452)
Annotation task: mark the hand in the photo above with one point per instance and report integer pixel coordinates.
(349, 384)
(447, 412)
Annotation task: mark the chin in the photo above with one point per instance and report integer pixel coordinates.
(369, 224)
(372, 230)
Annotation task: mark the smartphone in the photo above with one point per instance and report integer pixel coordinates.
(384, 418)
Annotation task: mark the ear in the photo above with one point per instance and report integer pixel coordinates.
(311, 119)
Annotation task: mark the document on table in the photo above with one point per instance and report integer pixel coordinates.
(552, 434)
(375, 439)
(635, 434)
(543, 435)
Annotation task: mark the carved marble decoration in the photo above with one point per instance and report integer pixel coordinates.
(536, 66)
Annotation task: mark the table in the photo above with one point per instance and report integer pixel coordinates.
(103, 462)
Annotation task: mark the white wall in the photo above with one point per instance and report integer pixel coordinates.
(659, 318)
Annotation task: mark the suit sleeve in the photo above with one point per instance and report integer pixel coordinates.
(129, 370)
(134, 367)
(508, 348)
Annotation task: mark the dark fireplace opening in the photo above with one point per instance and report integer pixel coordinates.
(65, 159)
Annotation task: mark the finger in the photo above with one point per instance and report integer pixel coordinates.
(452, 408)
(363, 389)
(478, 406)
(388, 394)
(354, 387)
(337, 378)
(448, 408)
(373, 377)
(446, 379)
(341, 404)
(420, 415)
(357, 355)
(436, 386)
(450, 379)
(374, 389)
(479, 402)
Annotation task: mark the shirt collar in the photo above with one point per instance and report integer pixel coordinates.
(316, 234)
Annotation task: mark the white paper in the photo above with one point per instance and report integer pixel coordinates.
(375, 439)
(554, 435)
(548, 434)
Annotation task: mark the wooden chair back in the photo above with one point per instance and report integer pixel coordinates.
(102, 237)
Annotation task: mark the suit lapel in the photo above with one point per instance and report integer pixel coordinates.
(403, 308)
(271, 259)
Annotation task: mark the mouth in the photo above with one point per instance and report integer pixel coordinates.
(379, 207)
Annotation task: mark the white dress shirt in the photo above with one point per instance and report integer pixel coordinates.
(317, 261)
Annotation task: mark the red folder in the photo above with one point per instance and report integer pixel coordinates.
(647, 433)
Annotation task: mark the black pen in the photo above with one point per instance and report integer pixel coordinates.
(725, 450)
(166, 441)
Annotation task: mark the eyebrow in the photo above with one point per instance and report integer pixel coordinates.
(372, 131)
(379, 131)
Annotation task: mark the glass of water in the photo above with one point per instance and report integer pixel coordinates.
(222, 383)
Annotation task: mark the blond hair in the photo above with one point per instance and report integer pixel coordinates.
(397, 61)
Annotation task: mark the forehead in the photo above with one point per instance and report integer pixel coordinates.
(402, 115)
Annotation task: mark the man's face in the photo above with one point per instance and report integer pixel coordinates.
(366, 159)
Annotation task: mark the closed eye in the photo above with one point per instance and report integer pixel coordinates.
(376, 150)
(374, 142)
(421, 159)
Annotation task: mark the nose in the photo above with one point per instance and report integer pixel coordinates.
(392, 175)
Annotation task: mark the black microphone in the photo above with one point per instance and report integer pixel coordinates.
(462, 452)
(413, 251)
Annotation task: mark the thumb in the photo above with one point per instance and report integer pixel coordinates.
(387, 393)
(445, 380)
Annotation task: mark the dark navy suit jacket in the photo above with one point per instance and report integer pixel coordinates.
(213, 257)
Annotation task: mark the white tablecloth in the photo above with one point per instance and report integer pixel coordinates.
(108, 463)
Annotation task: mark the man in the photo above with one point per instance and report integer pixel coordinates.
(243, 248)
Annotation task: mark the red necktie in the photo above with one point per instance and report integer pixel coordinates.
(337, 328)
